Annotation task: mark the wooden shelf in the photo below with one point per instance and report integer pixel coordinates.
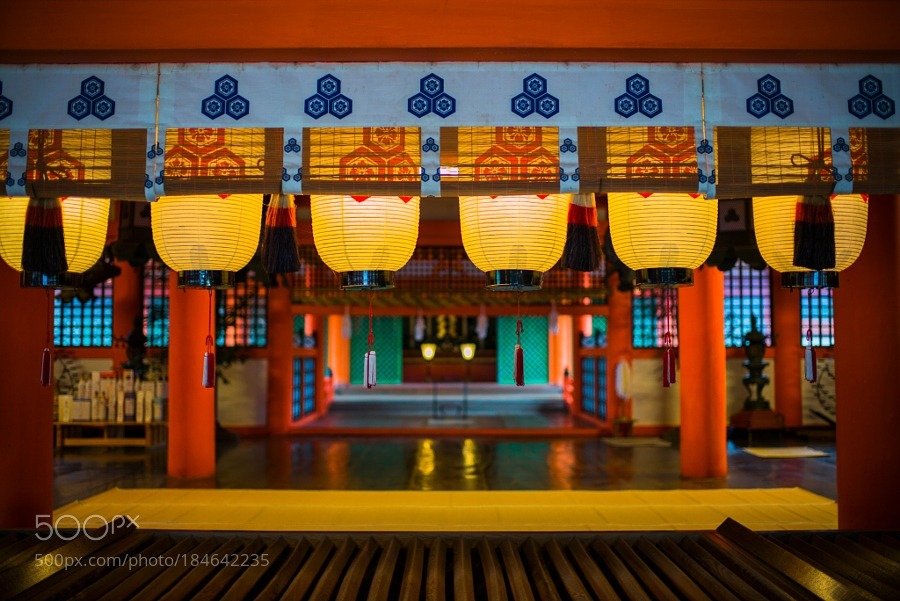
(112, 434)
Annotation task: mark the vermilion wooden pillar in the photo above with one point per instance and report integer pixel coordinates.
(280, 364)
(867, 357)
(618, 343)
(786, 329)
(26, 407)
(192, 414)
(701, 350)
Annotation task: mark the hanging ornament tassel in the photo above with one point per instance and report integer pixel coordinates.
(519, 353)
(809, 357)
(582, 249)
(668, 349)
(280, 251)
(43, 244)
(481, 324)
(46, 354)
(371, 376)
(814, 233)
(553, 319)
(419, 328)
(209, 357)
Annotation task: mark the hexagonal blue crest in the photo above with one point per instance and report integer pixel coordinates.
(758, 106)
(638, 85)
(782, 106)
(522, 105)
(79, 107)
(6, 107)
(444, 105)
(883, 107)
(213, 107)
(769, 86)
(870, 86)
(534, 85)
(92, 87)
(328, 86)
(547, 105)
(341, 106)
(103, 108)
(419, 105)
(315, 106)
(859, 106)
(226, 86)
(626, 105)
(431, 85)
(650, 105)
(237, 107)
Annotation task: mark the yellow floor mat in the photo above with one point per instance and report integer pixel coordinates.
(478, 511)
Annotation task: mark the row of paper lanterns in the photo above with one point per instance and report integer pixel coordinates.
(514, 239)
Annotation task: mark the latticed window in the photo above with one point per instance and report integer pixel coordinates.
(241, 314)
(593, 386)
(303, 399)
(156, 303)
(817, 315)
(747, 295)
(648, 318)
(597, 336)
(84, 323)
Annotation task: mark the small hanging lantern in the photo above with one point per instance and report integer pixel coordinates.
(775, 219)
(514, 239)
(206, 239)
(365, 238)
(84, 224)
(663, 238)
(810, 240)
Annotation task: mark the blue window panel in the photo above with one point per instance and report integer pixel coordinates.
(587, 385)
(84, 323)
(648, 319)
(601, 388)
(747, 293)
(241, 314)
(817, 315)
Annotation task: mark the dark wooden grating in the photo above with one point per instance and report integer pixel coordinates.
(729, 563)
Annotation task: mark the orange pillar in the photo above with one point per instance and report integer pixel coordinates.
(618, 344)
(867, 347)
(192, 413)
(338, 358)
(280, 330)
(788, 352)
(127, 305)
(701, 333)
(26, 409)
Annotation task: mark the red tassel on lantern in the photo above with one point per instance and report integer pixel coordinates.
(46, 364)
(668, 367)
(209, 369)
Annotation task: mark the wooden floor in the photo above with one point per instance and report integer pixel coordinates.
(729, 563)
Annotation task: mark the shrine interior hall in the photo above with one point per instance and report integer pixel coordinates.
(472, 300)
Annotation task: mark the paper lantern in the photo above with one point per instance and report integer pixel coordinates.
(514, 239)
(773, 219)
(662, 237)
(206, 239)
(85, 221)
(365, 238)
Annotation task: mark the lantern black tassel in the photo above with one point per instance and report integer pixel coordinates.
(582, 250)
(814, 233)
(43, 244)
(280, 252)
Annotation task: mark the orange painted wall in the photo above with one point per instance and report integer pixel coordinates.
(112, 30)
(26, 408)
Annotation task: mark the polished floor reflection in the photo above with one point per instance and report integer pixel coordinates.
(437, 464)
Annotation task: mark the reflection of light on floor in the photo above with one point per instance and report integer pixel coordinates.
(422, 478)
(470, 459)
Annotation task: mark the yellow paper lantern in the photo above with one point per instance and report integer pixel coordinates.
(662, 237)
(206, 239)
(773, 220)
(85, 221)
(514, 239)
(365, 238)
